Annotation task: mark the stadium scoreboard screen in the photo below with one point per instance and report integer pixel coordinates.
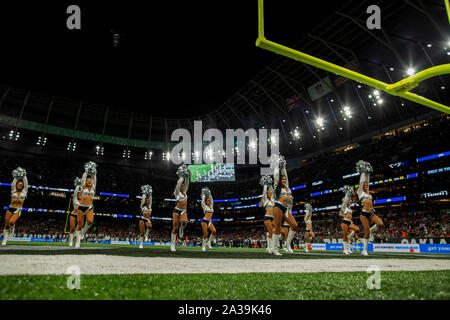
(212, 172)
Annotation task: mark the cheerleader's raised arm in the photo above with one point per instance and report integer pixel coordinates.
(24, 191)
(365, 177)
(75, 196)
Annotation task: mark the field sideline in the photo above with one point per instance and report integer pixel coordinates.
(39, 271)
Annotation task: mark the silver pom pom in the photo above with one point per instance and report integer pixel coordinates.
(266, 181)
(147, 190)
(363, 166)
(276, 160)
(19, 173)
(347, 192)
(90, 168)
(206, 192)
(183, 171)
(347, 189)
(77, 182)
(308, 207)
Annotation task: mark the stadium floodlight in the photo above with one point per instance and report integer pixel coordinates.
(391, 69)
(347, 112)
(331, 100)
(99, 150)
(410, 71)
(296, 134)
(429, 45)
(166, 156)
(71, 147)
(14, 137)
(273, 139)
(376, 93)
(319, 122)
(443, 87)
(42, 141)
(380, 101)
(148, 155)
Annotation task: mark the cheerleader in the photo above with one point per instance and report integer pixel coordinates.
(284, 200)
(145, 224)
(73, 215)
(268, 203)
(208, 210)
(85, 205)
(353, 235)
(308, 222)
(347, 224)
(180, 194)
(285, 232)
(367, 212)
(19, 191)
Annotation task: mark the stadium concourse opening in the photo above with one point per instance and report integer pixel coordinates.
(102, 200)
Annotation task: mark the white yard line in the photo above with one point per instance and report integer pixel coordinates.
(108, 264)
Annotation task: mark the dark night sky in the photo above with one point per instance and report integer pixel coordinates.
(176, 58)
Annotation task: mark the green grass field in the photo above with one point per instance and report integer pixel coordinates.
(245, 286)
(216, 286)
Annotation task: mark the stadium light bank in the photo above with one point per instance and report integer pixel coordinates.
(213, 151)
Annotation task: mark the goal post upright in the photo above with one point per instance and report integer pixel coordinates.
(400, 88)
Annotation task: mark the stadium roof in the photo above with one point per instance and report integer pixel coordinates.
(413, 35)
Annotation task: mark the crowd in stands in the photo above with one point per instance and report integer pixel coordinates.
(397, 224)
(419, 218)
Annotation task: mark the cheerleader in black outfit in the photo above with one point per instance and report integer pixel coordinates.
(19, 191)
(145, 225)
(73, 215)
(268, 203)
(347, 225)
(367, 212)
(208, 210)
(283, 203)
(180, 213)
(308, 222)
(86, 203)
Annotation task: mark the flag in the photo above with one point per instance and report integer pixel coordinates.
(291, 103)
(321, 88)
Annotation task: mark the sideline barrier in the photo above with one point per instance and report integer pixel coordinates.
(372, 247)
